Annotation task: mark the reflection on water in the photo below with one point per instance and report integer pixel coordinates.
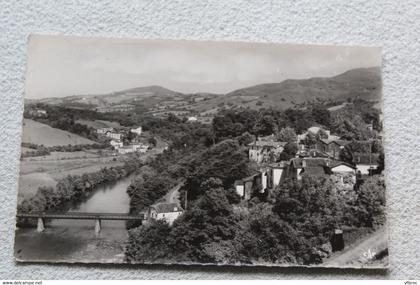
(111, 198)
(75, 240)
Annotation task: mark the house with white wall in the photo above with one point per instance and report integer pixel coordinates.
(137, 131)
(168, 212)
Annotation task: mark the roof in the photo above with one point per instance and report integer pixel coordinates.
(251, 177)
(316, 170)
(335, 139)
(268, 144)
(338, 163)
(166, 207)
(314, 153)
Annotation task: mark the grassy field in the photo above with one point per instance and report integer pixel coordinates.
(47, 170)
(42, 134)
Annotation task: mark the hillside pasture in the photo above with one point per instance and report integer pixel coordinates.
(36, 172)
(42, 134)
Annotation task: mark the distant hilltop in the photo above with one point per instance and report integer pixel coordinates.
(360, 83)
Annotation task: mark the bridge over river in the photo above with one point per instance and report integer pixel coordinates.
(97, 217)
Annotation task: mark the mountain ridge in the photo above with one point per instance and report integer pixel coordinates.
(362, 83)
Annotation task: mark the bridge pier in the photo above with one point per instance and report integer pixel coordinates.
(40, 225)
(97, 226)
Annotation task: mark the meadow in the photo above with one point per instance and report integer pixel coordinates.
(42, 134)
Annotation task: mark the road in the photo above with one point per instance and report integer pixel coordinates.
(173, 195)
(360, 254)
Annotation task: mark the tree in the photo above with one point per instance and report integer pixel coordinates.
(266, 126)
(207, 223)
(287, 134)
(371, 202)
(289, 151)
(310, 139)
(346, 154)
(149, 243)
(313, 207)
(226, 161)
(245, 139)
(321, 134)
(299, 120)
(321, 115)
(351, 128)
(152, 141)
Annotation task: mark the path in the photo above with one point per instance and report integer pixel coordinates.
(362, 253)
(173, 195)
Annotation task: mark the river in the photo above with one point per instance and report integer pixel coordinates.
(75, 240)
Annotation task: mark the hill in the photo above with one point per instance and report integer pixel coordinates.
(363, 83)
(128, 96)
(42, 134)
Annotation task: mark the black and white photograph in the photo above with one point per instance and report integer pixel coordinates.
(153, 151)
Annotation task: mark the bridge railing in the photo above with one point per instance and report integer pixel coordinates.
(82, 216)
(97, 217)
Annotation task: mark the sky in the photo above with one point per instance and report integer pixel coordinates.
(59, 66)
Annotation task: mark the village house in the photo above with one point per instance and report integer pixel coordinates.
(143, 148)
(136, 131)
(277, 173)
(133, 148)
(113, 135)
(168, 212)
(129, 148)
(310, 166)
(340, 167)
(192, 119)
(345, 171)
(265, 149)
(103, 131)
(312, 153)
(366, 163)
(331, 146)
(116, 144)
(258, 183)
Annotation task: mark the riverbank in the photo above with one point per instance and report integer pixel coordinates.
(75, 240)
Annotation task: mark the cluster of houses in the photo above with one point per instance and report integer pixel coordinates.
(117, 140)
(318, 159)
